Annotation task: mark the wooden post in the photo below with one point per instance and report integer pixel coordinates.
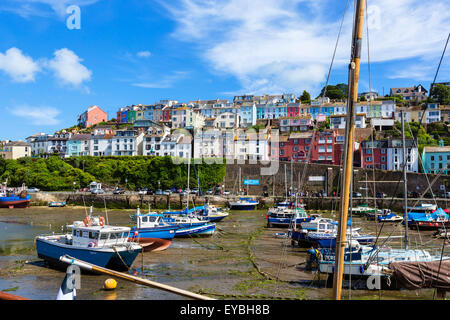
(353, 76)
(125, 276)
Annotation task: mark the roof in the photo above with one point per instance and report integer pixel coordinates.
(299, 135)
(17, 144)
(80, 137)
(360, 133)
(436, 149)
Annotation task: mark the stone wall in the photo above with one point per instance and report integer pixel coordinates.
(299, 174)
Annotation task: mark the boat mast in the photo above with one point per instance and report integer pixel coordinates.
(405, 181)
(188, 191)
(353, 77)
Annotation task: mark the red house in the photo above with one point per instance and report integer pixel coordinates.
(293, 110)
(295, 147)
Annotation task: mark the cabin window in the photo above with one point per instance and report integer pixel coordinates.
(103, 236)
(125, 234)
(74, 233)
(112, 236)
(93, 235)
(119, 235)
(151, 219)
(144, 219)
(79, 233)
(321, 226)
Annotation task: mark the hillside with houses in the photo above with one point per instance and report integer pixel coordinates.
(263, 128)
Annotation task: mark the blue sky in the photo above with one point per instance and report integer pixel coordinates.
(139, 51)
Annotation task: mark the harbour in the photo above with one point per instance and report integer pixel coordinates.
(242, 260)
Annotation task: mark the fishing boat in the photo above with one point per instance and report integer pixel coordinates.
(91, 241)
(151, 232)
(390, 217)
(244, 203)
(189, 225)
(362, 261)
(285, 217)
(54, 204)
(327, 238)
(363, 210)
(212, 213)
(423, 207)
(19, 199)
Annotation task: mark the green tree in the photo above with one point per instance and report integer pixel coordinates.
(305, 98)
(440, 93)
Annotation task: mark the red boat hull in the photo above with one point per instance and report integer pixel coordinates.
(153, 244)
(15, 204)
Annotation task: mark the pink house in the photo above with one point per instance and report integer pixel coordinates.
(92, 116)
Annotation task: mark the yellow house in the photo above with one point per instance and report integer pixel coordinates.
(15, 150)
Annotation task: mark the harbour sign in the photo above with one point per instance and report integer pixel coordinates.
(251, 182)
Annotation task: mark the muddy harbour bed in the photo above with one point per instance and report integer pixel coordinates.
(242, 260)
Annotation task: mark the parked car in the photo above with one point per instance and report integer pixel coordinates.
(32, 190)
(159, 192)
(167, 192)
(118, 191)
(97, 191)
(413, 194)
(194, 191)
(210, 192)
(226, 193)
(356, 195)
(150, 192)
(381, 195)
(143, 191)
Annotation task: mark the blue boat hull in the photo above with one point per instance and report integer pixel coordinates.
(215, 219)
(285, 222)
(187, 231)
(166, 233)
(103, 258)
(331, 242)
(243, 207)
(14, 202)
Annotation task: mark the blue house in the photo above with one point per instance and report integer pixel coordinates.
(436, 159)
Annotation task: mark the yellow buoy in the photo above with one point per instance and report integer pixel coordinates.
(110, 284)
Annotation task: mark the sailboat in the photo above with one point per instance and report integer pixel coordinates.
(244, 203)
(286, 214)
(188, 223)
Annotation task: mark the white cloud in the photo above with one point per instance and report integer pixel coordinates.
(419, 72)
(19, 67)
(26, 8)
(66, 67)
(163, 83)
(41, 115)
(287, 45)
(144, 54)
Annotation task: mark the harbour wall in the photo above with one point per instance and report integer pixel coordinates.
(176, 201)
(321, 177)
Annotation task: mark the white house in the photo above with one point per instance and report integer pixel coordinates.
(395, 155)
(127, 143)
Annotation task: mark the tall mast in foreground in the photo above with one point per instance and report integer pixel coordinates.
(353, 78)
(405, 181)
